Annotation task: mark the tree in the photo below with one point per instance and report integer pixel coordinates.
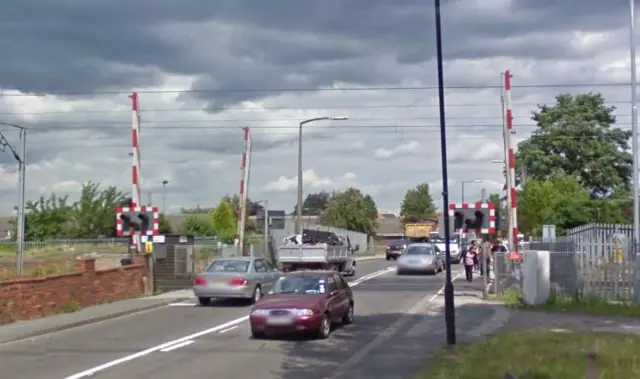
(576, 137)
(47, 218)
(93, 214)
(417, 204)
(559, 200)
(197, 225)
(253, 207)
(314, 204)
(352, 210)
(222, 217)
(223, 221)
(164, 227)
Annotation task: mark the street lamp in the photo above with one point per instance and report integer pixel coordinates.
(468, 181)
(164, 196)
(21, 158)
(299, 207)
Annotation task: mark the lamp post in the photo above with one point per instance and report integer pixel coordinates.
(298, 225)
(22, 172)
(468, 181)
(164, 196)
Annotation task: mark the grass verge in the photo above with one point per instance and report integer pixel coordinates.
(592, 305)
(538, 355)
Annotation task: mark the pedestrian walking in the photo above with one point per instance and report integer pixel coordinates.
(468, 260)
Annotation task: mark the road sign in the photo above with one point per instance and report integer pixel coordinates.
(148, 247)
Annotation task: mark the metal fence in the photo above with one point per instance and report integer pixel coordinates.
(594, 260)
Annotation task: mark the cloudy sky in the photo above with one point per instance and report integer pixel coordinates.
(204, 69)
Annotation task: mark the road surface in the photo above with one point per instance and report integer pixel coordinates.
(187, 341)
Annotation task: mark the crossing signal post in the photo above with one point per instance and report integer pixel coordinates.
(136, 222)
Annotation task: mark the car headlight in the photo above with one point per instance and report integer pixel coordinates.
(260, 312)
(302, 312)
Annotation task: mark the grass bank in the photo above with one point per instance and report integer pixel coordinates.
(538, 355)
(592, 305)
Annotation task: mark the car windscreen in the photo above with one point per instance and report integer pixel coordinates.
(300, 284)
(419, 250)
(228, 265)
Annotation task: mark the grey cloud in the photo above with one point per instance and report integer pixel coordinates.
(63, 46)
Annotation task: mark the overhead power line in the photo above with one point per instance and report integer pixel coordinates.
(321, 89)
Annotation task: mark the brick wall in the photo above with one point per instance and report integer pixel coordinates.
(27, 298)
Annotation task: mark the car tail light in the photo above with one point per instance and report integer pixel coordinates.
(199, 281)
(238, 282)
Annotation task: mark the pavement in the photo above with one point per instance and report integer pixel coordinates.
(396, 316)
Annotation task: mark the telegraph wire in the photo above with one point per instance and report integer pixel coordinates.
(320, 89)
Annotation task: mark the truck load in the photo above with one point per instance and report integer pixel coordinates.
(418, 232)
(318, 250)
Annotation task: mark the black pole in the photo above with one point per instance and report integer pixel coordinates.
(449, 311)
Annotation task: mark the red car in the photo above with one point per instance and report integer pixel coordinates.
(303, 302)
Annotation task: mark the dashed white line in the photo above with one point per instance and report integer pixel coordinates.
(228, 329)
(177, 346)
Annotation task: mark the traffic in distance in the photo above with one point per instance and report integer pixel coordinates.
(308, 294)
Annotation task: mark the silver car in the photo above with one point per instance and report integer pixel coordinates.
(421, 257)
(239, 278)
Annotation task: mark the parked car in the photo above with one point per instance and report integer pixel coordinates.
(421, 257)
(394, 249)
(303, 302)
(238, 277)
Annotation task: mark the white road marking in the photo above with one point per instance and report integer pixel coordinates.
(216, 329)
(177, 346)
(228, 329)
(370, 276)
(389, 332)
(182, 304)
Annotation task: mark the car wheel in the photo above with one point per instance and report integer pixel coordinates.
(325, 327)
(256, 334)
(388, 258)
(257, 295)
(204, 300)
(348, 316)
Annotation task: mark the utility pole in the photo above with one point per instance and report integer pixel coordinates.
(22, 174)
(244, 185)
